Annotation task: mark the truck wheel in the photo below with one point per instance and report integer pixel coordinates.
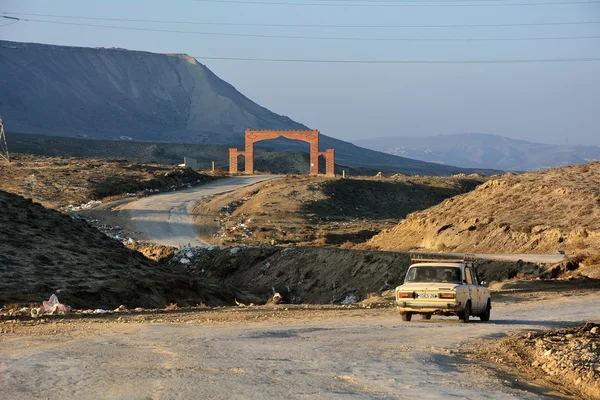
(486, 314)
(426, 316)
(406, 316)
(464, 316)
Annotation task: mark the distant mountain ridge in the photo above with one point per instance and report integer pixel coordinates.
(101, 93)
(478, 150)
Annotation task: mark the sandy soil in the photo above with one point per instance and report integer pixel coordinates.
(57, 182)
(323, 211)
(270, 352)
(536, 212)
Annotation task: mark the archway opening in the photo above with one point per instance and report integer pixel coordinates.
(241, 160)
(282, 156)
(322, 164)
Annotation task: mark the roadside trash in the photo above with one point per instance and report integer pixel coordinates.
(100, 311)
(36, 312)
(350, 299)
(235, 250)
(121, 308)
(53, 306)
(185, 261)
(239, 304)
(275, 299)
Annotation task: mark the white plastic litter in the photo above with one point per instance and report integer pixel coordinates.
(350, 299)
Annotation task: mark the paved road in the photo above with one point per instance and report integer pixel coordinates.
(534, 258)
(166, 218)
(356, 354)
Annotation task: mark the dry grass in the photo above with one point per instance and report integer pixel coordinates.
(321, 211)
(539, 211)
(59, 181)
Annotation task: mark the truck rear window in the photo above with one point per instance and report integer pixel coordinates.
(433, 274)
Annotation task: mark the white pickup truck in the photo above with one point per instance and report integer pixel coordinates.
(443, 287)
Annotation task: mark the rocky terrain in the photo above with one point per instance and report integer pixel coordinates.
(44, 252)
(536, 212)
(329, 275)
(568, 359)
(113, 93)
(478, 150)
(61, 181)
(304, 210)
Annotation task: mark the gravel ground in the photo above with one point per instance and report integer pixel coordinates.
(260, 352)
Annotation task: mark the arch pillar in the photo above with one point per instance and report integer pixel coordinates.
(233, 159)
(329, 155)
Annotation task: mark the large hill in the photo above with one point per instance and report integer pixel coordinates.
(536, 212)
(478, 150)
(101, 93)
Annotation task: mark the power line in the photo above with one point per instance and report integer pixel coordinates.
(514, 61)
(439, 62)
(10, 23)
(228, 34)
(375, 4)
(303, 25)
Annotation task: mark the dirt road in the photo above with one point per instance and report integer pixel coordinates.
(166, 218)
(530, 258)
(363, 354)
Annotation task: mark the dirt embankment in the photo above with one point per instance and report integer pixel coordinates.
(537, 212)
(304, 210)
(59, 181)
(44, 252)
(330, 275)
(568, 359)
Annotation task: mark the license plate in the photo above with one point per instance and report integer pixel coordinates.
(427, 295)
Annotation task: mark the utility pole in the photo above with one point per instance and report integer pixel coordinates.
(3, 146)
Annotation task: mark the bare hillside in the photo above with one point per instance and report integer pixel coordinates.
(108, 93)
(44, 252)
(536, 212)
(58, 181)
(304, 210)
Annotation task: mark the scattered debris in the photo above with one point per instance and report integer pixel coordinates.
(350, 299)
(53, 306)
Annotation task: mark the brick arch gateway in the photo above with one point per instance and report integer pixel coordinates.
(310, 136)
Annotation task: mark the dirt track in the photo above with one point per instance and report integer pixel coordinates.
(166, 218)
(284, 354)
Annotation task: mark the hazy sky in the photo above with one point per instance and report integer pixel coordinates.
(546, 102)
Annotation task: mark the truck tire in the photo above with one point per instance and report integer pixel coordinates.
(486, 314)
(426, 316)
(464, 316)
(406, 316)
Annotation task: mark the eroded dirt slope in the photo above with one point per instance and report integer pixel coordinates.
(537, 212)
(44, 252)
(59, 181)
(304, 210)
(330, 275)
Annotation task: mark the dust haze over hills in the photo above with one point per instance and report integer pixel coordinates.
(478, 150)
(100, 93)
